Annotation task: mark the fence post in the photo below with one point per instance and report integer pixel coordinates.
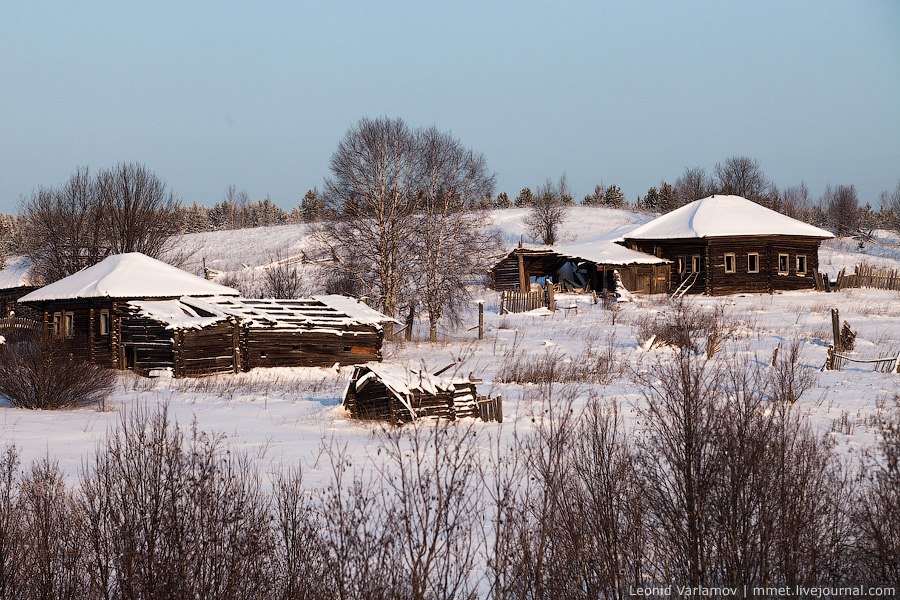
(410, 319)
(829, 359)
(481, 319)
(836, 329)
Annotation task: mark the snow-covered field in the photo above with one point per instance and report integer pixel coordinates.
(283, 417)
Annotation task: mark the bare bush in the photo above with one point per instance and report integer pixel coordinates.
(548, 210)
(38, 372)
(686, 326)
(282, 278)
(598, 365)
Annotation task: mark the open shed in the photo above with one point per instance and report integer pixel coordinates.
(589, 265)
(15, 282)
(394, 393)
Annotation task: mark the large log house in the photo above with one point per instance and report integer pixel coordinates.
(728, 244)
(134, 312)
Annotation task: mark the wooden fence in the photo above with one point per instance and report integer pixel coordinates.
(490, 409)
(516, 301)
(867, 276)
(835, 361)
(19, 323)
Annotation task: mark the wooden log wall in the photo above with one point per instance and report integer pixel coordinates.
(153, 345)
(768, 279)
(9, 303)
(264, 347)
(206, 351)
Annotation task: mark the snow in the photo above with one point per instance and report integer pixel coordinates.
(718, 216)
(16, 273)
(608, 253)
(131, 275)
(282, 417)
(177, 314)
(354, 309)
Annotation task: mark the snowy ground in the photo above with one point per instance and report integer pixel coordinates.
(284, 416)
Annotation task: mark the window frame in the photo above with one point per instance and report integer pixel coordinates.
(797, 260)
(104, 322)
(57, 324)
(733, 258)
(679, 264)
(787, 263)
(756, 254)
(695, 263)
(68, 324)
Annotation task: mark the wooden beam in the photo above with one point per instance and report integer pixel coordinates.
(523, 283)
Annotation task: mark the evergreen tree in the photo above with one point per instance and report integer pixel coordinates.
(311, 206)
(614, 198)
(596, 198)
(502, 201)
(525, 198)
(651, 200)
(668, 198)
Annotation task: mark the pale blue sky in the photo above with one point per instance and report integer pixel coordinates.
(258, 94)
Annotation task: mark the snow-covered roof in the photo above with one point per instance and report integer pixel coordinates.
(177, 314)
(608, 253)
(403, 381)
(354, 308)
(16, 273)
(299, 314)
(131, 275)
(719, 216)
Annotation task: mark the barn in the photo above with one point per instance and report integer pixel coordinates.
(589, 265)
(728, 244)
(134, 312)
(394, 393)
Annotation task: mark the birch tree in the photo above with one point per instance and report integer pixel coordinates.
(372, 195)
(451, 239)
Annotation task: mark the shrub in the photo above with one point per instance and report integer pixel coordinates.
(39, 372)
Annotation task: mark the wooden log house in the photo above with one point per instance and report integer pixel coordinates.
(394, 393)
(728, 244)
(133, 312)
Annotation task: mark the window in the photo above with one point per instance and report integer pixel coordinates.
(57, 324)
(783, 268)
(69, 324)
(801, 264)
(695, 263)
(104, 322)
(753, 262)
(679, 262)
(729, 262)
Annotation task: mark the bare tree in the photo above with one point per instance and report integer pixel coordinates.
(452, 239)
(741, 176)
(795, 201)
(842, 208)
(372, 193)
(890, 204)
(693, 184)
(548, 210)
(123, 209)
(281, 277)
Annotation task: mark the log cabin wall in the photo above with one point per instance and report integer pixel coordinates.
(373, 402)
(145, 343)
(206, 351)
(770, 277)
(271, 347)
(682, 253)
(9, 305)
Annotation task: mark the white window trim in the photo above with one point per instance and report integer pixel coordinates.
(756, 254)
(733, 262)
(695, 258)
(787, 263)
(104, 321)
(805, 265)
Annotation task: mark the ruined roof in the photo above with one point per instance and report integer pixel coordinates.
(721, 216)
(131, 275)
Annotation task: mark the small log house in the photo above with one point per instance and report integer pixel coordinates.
(728, 245)
(133, 312)
(393, 393)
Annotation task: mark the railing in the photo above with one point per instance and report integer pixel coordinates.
(686, 285)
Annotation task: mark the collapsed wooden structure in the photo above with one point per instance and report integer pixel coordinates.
(728, 244)
(394, 393)
(133, 312)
